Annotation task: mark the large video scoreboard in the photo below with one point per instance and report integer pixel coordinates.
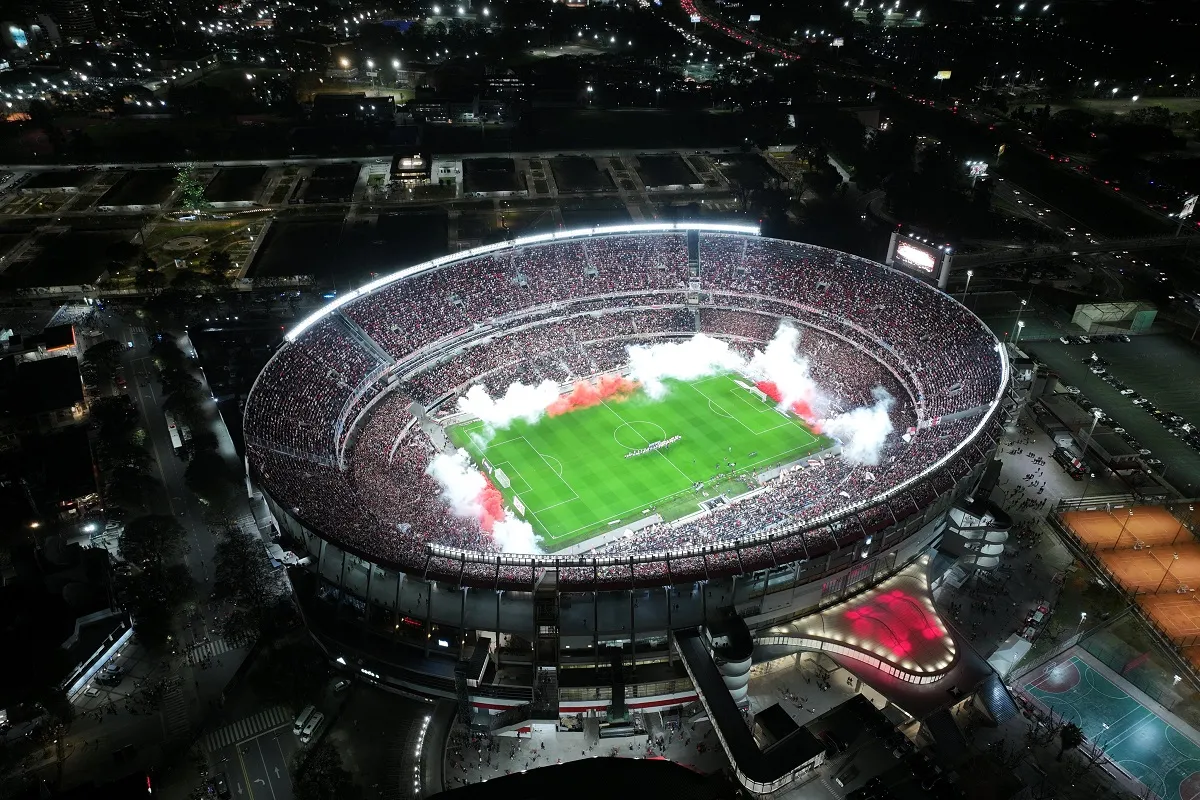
(920, 257)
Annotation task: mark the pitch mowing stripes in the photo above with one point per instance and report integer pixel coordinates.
(719, 421)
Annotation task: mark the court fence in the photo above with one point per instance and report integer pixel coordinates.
(1135, 646)
(1090, 557)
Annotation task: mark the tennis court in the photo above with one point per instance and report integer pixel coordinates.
(1150, 525)
(1135, 738)
(1155, 569)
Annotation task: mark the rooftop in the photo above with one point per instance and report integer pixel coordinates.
(894, 623)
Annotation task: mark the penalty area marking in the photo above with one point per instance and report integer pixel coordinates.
(720, 412)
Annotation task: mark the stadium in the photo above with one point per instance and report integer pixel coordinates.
(487, 459)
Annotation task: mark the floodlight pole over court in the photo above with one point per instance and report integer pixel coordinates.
(1124, 522)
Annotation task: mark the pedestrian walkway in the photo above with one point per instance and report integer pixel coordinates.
(241, 730)
(174, 710)
(214, 647)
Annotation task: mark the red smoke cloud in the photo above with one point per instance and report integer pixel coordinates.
(491, 505)
(801, 407)
(585, 394)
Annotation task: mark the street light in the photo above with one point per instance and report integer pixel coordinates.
(1020, 327)
(1082, 617)
(1171, 563)
(395, 63)
(1020, 311)
(970, 273)
(1115, 89)
(1124, 523)
(1191, 508)
(1135, 97)
(1088, 440)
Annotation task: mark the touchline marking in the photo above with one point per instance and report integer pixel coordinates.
(1132, 728)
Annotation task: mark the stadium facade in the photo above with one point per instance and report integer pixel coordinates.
(342, 421)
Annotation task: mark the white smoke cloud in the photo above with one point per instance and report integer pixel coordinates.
(515, 535)
(519, 401)
(461, 483)
(863, 431)
(689, 360)
(462, 487)
(781, 364)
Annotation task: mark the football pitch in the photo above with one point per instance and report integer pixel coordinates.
(575, 481)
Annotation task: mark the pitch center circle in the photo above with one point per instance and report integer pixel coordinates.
(638, 433)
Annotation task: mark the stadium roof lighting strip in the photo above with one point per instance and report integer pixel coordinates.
(324, 311)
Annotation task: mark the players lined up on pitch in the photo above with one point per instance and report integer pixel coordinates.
(653, 447)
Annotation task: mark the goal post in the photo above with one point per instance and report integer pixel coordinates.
(502, 478)
(518, 505)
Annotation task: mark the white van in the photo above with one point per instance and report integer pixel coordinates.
(312, 727)
(303, 719)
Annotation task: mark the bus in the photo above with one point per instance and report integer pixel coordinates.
(176, 433)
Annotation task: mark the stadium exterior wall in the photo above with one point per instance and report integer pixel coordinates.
(408, 627)
(361, 606)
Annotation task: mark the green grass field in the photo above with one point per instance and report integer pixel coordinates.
(571, 472)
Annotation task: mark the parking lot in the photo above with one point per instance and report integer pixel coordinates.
(1158, 369)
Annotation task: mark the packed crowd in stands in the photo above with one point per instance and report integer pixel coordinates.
(857, 318)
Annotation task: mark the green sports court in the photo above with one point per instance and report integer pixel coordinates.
(1133, 737)
(571, 474)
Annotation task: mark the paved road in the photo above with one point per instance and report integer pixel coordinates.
(257, 768)
(176, 499)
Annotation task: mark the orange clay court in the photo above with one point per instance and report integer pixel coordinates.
(1143, 570)
(1151, 525)
(1177, 614)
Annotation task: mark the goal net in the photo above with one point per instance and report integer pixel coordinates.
(502, 479)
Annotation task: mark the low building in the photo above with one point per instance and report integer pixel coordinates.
(47, 392)
(410, 169)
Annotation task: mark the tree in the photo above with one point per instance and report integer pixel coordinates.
(241, 569)
(102, 359)
(1069, 737)
(152, 542)
(152, 598)
(191, 190)
(218, 263)
(150, 279)
(318, 774)
(211, 479)
(186, 279)
(291, 674)
(130, 488)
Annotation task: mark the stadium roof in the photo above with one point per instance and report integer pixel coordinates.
(895, 621)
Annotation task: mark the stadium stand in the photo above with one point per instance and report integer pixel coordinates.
(329, 432)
